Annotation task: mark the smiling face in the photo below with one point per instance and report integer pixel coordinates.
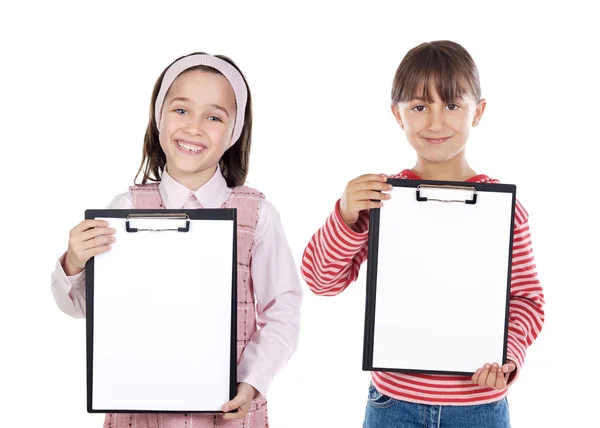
(436, 99)
(438, 130)
(197, 122)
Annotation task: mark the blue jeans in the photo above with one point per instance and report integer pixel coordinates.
(385, 412)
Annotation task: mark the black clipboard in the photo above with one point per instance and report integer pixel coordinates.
(185, 219)
(415, 194)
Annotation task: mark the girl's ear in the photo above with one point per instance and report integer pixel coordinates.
(396, 113)
(479, 111)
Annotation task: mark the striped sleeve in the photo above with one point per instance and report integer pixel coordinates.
(526, 308)
(332, 258)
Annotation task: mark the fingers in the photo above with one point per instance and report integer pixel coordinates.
(96, 232)
(491, 378)
(77, 257)
(485, 371)
(88, 232)
(241, 403)
(500, 379)
(239, 400)
(95, 251)
(360, 195)
(367, 195)
(88, 239)
(369, 177)
(490, 375)
(367, 205)
(88, 224)
(371, 185)
(241, 413)
(481, 375)
(92, 244)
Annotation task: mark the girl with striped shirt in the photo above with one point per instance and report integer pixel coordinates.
(436, 99)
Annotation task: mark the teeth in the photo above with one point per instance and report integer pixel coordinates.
(190, 148)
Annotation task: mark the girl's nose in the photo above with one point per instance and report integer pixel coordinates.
(193, 126)
(436, 121)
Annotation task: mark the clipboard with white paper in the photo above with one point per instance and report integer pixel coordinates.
(438, 277)
(161, 312)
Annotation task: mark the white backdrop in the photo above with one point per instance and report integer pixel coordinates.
(76, 81)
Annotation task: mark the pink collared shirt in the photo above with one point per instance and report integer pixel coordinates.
(274, 273)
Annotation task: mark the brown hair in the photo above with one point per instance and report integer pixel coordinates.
(446, 63)
(235, 161)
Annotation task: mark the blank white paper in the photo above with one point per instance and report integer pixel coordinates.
(162, 317)
(442, 275)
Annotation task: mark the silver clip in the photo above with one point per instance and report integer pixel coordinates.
(165, 216)
(420, 198)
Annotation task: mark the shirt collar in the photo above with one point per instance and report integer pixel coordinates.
(480, 178)
(211, 194)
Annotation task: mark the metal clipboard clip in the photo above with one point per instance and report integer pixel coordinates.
(471, 201)
(182, 216)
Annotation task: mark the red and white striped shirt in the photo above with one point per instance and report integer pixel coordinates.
(332, 260)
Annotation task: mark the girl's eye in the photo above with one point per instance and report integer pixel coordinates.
(180, 111)
(214, 119)
(419, 108)
(452, 107)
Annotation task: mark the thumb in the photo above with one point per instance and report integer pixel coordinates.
(509, 367)
(237, 402)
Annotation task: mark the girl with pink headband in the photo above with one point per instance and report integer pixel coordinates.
(196, 155)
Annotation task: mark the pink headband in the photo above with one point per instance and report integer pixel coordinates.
(229, 71)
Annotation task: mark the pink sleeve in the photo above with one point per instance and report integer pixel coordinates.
(278, 299)
(68, 291)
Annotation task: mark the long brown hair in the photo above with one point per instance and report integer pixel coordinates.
(447, 63)
(235, 161)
